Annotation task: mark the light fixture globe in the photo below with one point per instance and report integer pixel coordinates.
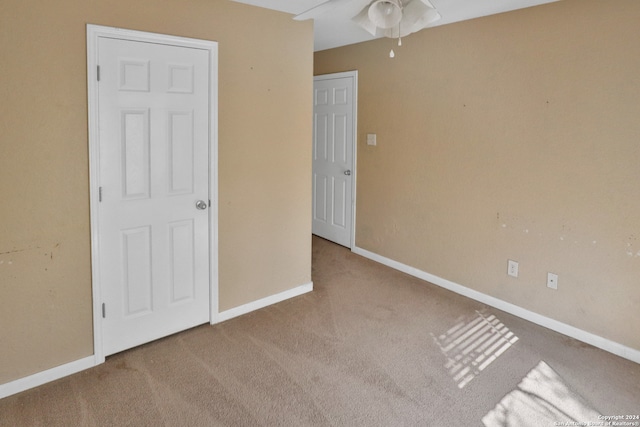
(385, 13)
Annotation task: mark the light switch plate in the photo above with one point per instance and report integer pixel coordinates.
(371, 139)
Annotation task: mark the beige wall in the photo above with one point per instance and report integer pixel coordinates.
(265, 67)
(512, 136)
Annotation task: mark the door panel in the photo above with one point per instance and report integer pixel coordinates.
(181, 266)
(340, 203)
(136, 271)
(153, 102)
(181, 151)
(135, 158)
(333, 163)
(320, 198)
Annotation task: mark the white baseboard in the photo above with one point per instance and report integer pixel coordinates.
(44, 377)
(264, 302)
(571, 331)
(40, 378)
(629, 353)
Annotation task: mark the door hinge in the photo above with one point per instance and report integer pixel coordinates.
(99, 194)
(209, 202)
(98, 72)
(104, 311)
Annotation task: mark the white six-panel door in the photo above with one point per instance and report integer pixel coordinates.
(153, 102)
(333, 157)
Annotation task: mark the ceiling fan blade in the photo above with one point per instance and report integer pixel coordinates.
(318, 10)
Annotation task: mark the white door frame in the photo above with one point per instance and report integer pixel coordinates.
(354, 172)
(94, 33)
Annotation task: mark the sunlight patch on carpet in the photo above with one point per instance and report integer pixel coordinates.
(542, 399)
(472, 345)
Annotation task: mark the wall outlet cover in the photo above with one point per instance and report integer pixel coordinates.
(512, 268)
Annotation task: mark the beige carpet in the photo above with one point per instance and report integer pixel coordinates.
(369, 347)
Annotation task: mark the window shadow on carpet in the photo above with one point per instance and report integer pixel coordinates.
(473, 344)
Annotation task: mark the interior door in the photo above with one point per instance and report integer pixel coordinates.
(333, 157)
(153, 102)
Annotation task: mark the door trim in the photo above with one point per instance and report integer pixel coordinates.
(354, 167)
(94, 33)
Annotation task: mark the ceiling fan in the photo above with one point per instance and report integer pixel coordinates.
(384, 18)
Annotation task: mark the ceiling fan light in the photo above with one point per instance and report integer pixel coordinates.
(414, 16)
(417, 15)
(385, 13)
(362, 19)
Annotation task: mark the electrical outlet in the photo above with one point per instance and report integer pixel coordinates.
(371, 139)
(512, 268)
(552, 281)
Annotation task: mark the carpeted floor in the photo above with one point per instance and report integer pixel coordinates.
(369, 347)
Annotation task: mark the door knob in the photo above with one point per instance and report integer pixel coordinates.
(347, 172)
(201, 204)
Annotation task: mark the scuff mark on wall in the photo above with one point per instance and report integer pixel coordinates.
(20, 252)
(569, 233)
(15, 251)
